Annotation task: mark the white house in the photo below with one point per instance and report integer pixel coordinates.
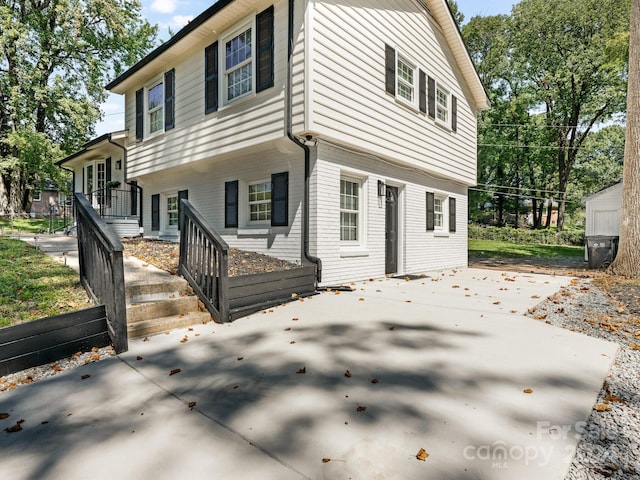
(603, 211)
(337, 132)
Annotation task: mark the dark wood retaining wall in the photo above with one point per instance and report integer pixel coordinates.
(53, 338)
(250, 293)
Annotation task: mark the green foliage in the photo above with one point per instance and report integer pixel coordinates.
(553, 69)
(33, 286)
(500, 249)
(527, 237)
(29, 226)
(55, 57)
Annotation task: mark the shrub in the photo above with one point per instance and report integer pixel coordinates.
(527, 237)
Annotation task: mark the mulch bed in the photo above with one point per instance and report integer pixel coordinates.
(165, 256)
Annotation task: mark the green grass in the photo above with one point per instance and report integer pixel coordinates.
(494, 249)
(33, 285)
(24, 226)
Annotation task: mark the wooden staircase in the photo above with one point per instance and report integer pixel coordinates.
(156, 305)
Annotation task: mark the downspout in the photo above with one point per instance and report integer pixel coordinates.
(301, 144)
(138, 187)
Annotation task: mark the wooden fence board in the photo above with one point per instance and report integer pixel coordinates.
(50, 339)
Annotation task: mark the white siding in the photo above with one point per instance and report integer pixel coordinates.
(421, 251)
(603, 212)
(348, 102)
(206, 185)
(196, 136)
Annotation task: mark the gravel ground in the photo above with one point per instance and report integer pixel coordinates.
(609, 444)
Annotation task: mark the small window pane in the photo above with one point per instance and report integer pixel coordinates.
(260, 202)
(406, 74)
(349, 210)
(437, 213)
(155, 96)
(172, 211)
(442, 102)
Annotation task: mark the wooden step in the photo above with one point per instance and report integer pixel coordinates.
(164, 324)
(174, 305)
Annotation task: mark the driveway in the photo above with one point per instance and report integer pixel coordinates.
(343, 385)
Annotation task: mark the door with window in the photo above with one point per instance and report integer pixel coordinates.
(391, 230)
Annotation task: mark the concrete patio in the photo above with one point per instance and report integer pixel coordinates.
(440, 364)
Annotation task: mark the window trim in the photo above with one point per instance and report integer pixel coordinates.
(165, 225)
(439, 214)
(414, 86)
(440, 88)
(361, 217)
(248, 222)
(238, 29)
(37, 195)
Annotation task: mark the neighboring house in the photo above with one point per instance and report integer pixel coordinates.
(46, 200)
(603, 211)
(310, 130)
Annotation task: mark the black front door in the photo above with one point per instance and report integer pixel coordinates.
(391, 230)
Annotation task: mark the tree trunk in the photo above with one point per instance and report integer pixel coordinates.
(627, 263)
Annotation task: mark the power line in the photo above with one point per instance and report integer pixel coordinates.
(488, 185)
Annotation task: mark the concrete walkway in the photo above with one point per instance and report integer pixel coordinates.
(439, 364)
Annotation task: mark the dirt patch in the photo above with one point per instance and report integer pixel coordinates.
(165, 256)
(551, 266)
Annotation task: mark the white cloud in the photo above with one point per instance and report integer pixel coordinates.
(180, 21)
(164, 6)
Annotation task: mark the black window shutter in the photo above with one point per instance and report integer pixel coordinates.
(431, 93)
(423, 91)
(430, 211)
(264, 41)
(134, 197)
(169, 99)
(454, 113)
(231, 204)
(182, 195)
(390, 69)
(211, 78)
(280, 199)
(155, 212)
(140, 114)
(452, 214)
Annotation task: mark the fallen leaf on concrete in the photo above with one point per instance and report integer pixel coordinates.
(422, 455)
(174, 371)
(185, 339)
(361, 299)
(527, 390)
(287, 329)
(191, 405)
(326, 460)
(455, 286)
(347, 374)
(56, 368)
(601, 407)
(392, 328)
(496, 303)
(292, 342)
(375, 380)
(302, 370)
(295, 319)
(16, 428)
(138, 358)
(240, 358)
(360, 408)
(4, 416)
(84, 377)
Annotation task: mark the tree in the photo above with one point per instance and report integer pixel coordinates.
(627, 262)
(564, 50)
(458, 16)
(55, 57)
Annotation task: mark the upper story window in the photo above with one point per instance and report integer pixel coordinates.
(244, 64)
(239, 65)
(411, 85)
(155, 106)
(442, 104)
(406, 79)
(155, 101)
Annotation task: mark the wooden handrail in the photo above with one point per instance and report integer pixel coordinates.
(100, 254)
(204, 261)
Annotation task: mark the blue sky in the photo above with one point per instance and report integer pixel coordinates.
(174, 14)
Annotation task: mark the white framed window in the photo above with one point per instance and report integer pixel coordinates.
(438, 213)
(406, 80)
(443, 104)
(238, 63)
(350, 210)
(37, 196)
(171, 211)
(155, 107)
(259, 202)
